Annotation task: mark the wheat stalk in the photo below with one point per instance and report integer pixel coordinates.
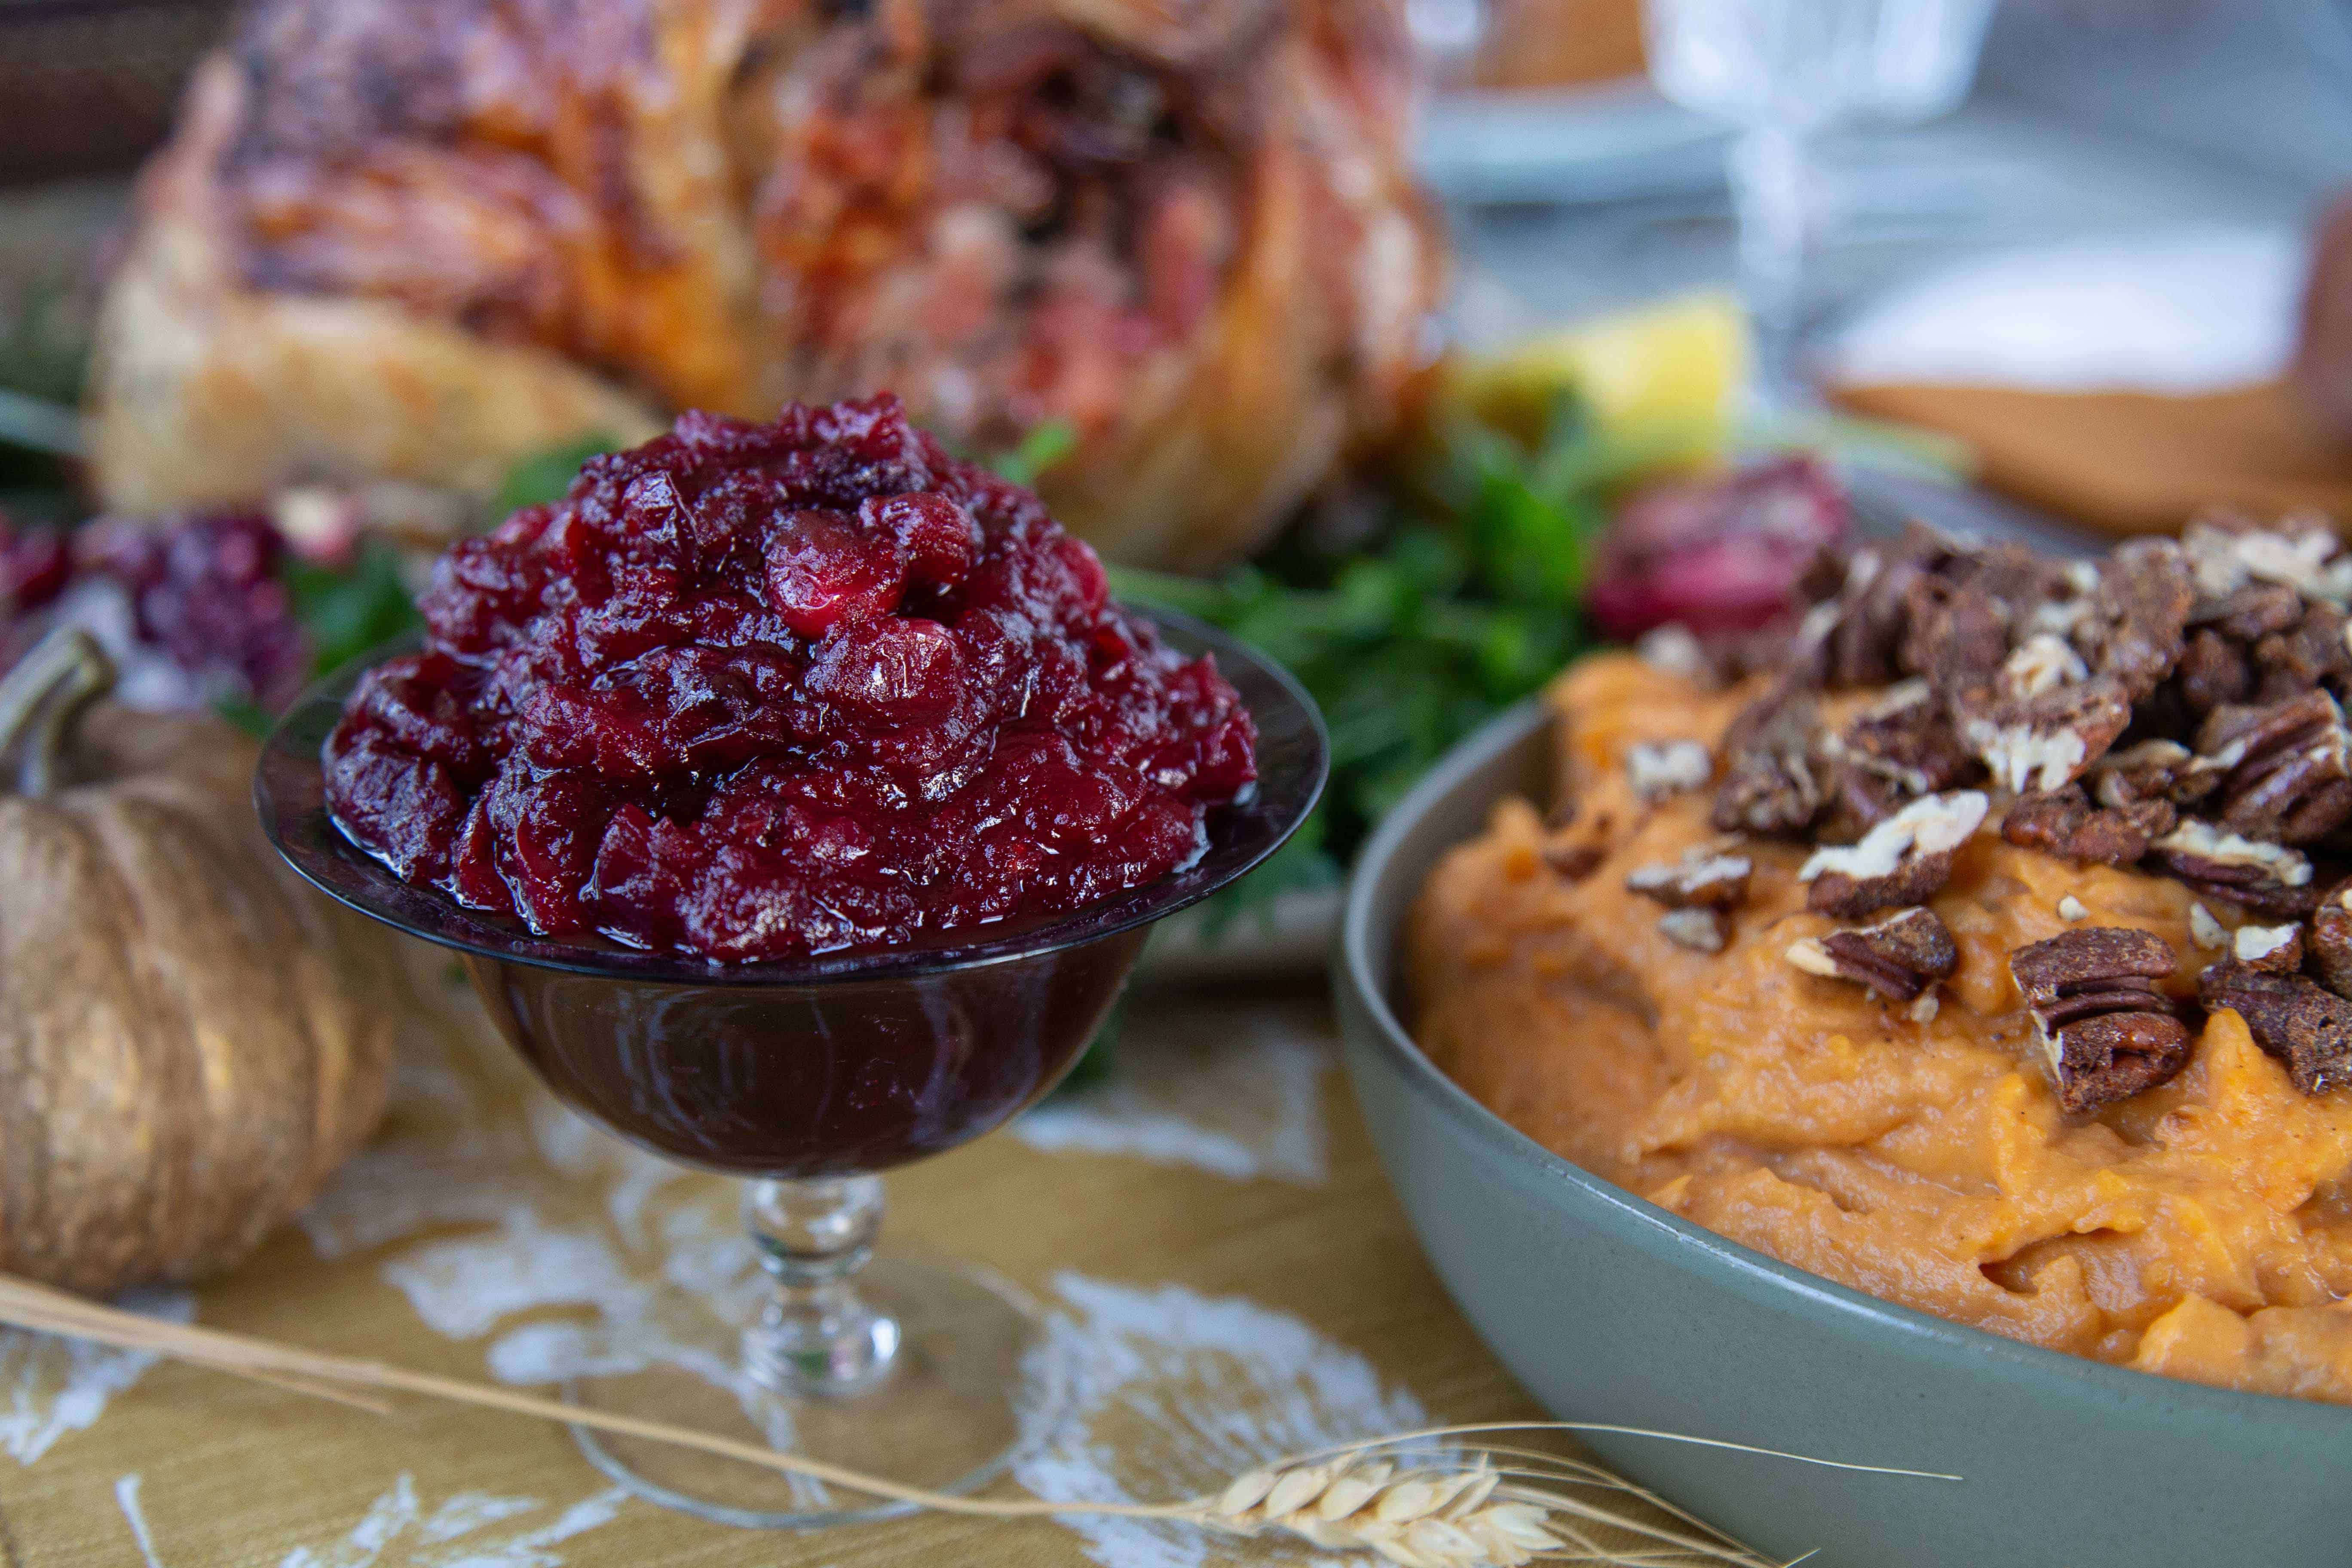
(1420, 1499)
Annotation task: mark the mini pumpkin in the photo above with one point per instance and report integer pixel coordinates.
(191, 1040)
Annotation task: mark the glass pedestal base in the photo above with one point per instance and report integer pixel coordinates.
(969, 1389)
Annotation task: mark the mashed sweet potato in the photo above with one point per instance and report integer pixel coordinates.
(2200, 1229)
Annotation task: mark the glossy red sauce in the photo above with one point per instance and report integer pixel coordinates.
(758, 690)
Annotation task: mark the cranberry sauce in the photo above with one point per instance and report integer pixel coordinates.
(754, 691)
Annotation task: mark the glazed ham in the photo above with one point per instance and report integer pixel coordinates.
(417, 241)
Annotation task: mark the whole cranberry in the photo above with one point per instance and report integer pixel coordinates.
(823, 569)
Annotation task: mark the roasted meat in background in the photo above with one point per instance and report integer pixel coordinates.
(417, 242)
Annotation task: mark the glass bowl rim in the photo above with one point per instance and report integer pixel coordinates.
(1294, 765)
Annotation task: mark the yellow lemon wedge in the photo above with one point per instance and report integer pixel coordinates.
(1678, 364)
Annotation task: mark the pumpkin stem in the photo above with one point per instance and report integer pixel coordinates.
(44, 697)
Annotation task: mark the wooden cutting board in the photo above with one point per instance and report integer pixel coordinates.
(2133, 462)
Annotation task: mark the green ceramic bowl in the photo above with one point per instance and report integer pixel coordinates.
(1611, 1309)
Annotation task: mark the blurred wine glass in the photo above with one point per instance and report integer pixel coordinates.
(1783, 72)
(1447, 36)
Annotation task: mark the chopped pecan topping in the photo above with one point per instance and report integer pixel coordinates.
(2042, 662)
(2048, 740)
(1858, 802)
(2251, 614)
(2207, 932)
(1957, 634)
(1865, 647)
(2063, 822)
(2308, 1028)
(1898, 957)
(1576, 844)
(1903, 860)
(1658, 769)
(2225, 555)
(2310, 653)
(2289, 767)
(1700, 929)
(1906, 739)
(1701, 878)
(2133, 633)
(2266, 879)
(2213, 670)
(2273, 949)
(2329, 944)
(2104, 1030)
(1901, 745)
(1773, 781)
(2152, 770)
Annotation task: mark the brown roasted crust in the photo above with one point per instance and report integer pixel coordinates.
(511, 225)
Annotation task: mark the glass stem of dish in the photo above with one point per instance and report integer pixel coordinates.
(1776, 203)
(817, 1335)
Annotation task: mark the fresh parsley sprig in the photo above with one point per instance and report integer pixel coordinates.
(1463, 601)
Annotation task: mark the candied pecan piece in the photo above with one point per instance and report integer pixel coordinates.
(2289, 767)
(1703, 878)
(1905, 860)
(2104, 1030)
(1858, 802)
(2304, 1026)
(1700, 929)
(1957, 635)
(2329, 944)
(1898, 957)
(1773, 781)
(1865, 645)
(2310, 653)
(2063, 822)
(2267, 879)
(2133, 631)
(2250, 614)
(1906, 738)
(2227, 552)
(2273, 949)
(2152, 770)
(1660, 769)
(2049, 739)
(2039, 664)
(2021, 579)
(2212, 671)
(1901, 745)
(1576, 844)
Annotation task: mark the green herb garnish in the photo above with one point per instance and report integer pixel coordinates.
(542, 479)
(1463, 601)
(1044, 446)
(351, 609)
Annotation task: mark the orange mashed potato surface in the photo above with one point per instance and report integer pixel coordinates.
(2202, 1229)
